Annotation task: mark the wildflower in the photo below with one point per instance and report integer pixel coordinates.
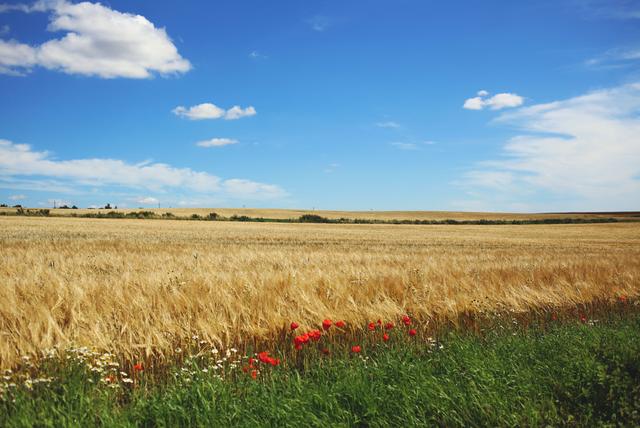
(138, 367)
(127, 380)
(622, 299)
(356, 349)
(372, 326)
(385, 337)
(389, 325)
(298, 347)
(379, 321)
(554, 317)
(326, 324)
(340, 324)
(254, 374)
(583, 318)
(315, 335)
(294, 325)
(406, 320)
(251, 361)
(412, 332)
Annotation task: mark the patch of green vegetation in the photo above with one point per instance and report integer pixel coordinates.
(569, 374)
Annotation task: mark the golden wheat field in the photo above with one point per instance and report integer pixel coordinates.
(139, 287)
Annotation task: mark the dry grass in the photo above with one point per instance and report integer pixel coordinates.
(136, 286)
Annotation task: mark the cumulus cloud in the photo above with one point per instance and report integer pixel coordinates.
(16, 58)
(211, 111)
(581, 153)
(98, 41)
(22, 167)
(216, 142)
(496, 102)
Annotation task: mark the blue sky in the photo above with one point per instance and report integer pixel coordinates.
(385, 105)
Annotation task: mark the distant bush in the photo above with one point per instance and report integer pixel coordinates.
(313, 218)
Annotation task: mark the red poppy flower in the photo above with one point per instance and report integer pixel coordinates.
(254, 374)
(298, 347)
(273, 361)
(251, 361)
(379, 321)
(385, 337)
(412, 332)
(294, 325)
(340, 324)
(246, 369)
(406, 320)
(138, 367)
(583, 318)
(315, 335)
(326, 324)
(389, 325)
(263, 357)
(356, 349)
(372, 326)
(554, 317)
(301, 340)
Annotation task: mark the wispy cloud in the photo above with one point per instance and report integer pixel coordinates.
(388, 124)
(331, 168)
(216, 142)
(617, 57)
(20, 166)
(99, 41)
(582, 153)
(608, 9)
(401, 145)
(17, 197)
(404, 146)
(319, 23)
(147, 200)
(496, 102)
(255, 55)
(211, 111)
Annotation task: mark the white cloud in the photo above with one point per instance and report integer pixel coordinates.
(388, 124)
(16, 58)
(17, 197)
(582, 153)
(236, 112)
(22, 167)
(212, 111)
(216, 142)
(99, 41)
(496, 102)
(149, 200)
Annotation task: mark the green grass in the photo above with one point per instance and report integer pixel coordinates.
(570, 374)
